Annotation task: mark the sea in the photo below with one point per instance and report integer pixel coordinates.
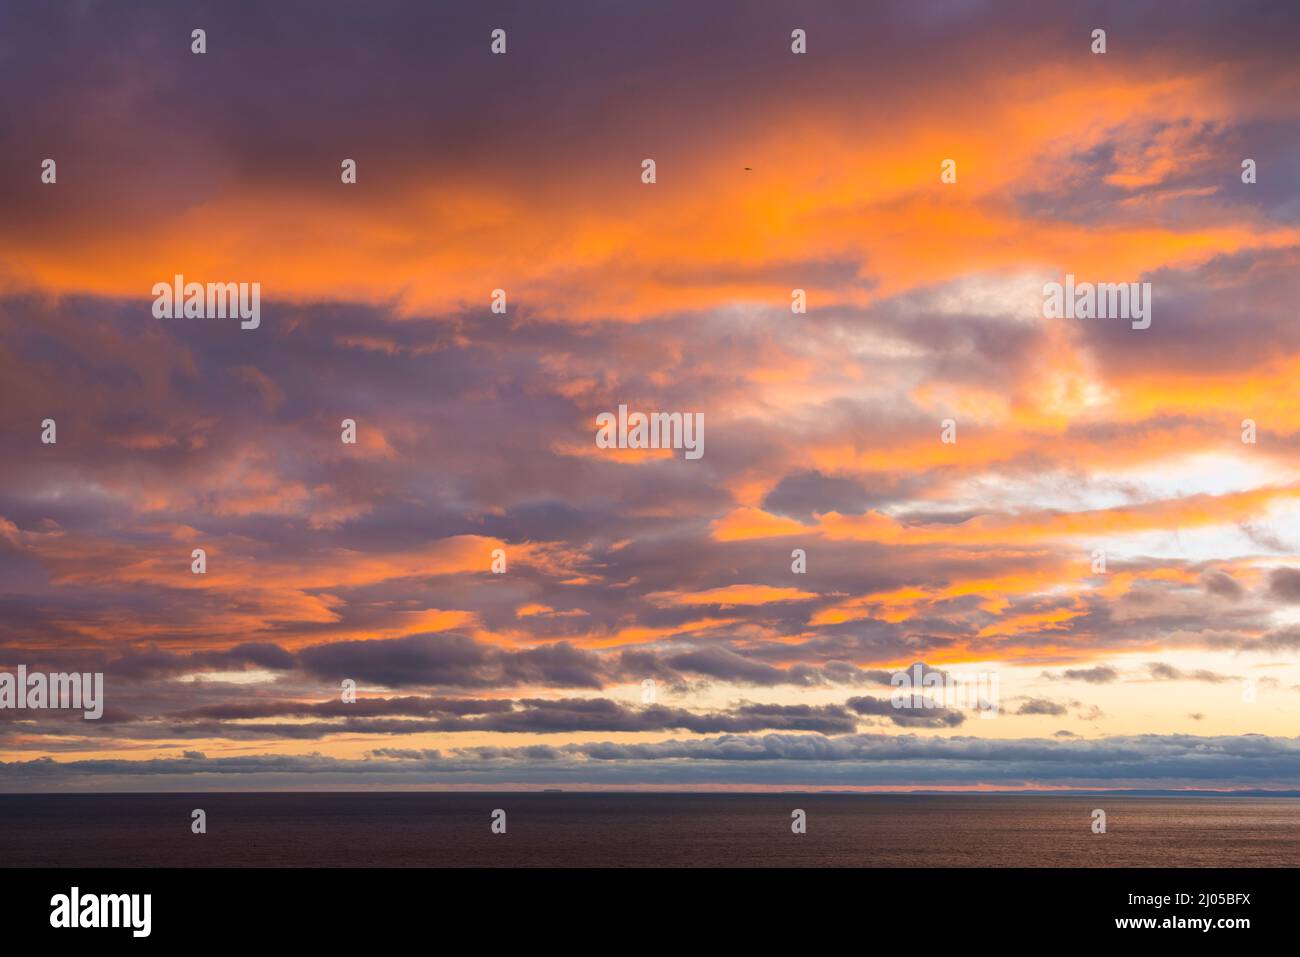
(602, 829)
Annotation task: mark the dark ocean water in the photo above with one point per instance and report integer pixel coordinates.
(654, 830)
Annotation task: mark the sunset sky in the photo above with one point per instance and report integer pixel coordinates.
(476, 431)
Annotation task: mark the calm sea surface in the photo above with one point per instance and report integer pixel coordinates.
(658, 830)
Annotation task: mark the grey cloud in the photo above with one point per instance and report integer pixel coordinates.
(1041, 706)
(1099, 675)
(884, 760)
(1166, 672)
(1222, 584)
(907, 717)
(1284, 584)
